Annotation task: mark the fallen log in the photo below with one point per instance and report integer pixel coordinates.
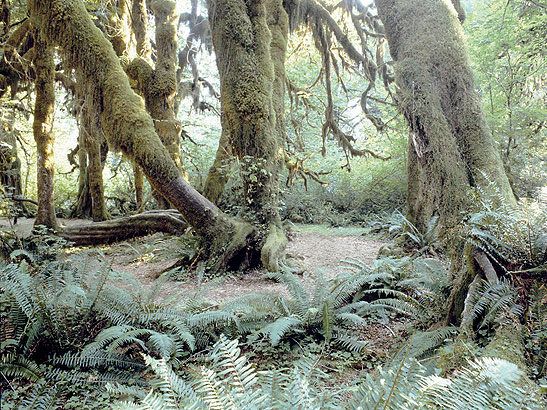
(120, 229)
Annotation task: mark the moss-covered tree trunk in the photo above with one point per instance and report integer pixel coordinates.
(95, 163)
(82, 206)
(44, 68)
(130, 128)
(219, 173)
(92, 152)
(10, 169)
(158, 85)
(250, 41)
(139, 186)
(450, 146)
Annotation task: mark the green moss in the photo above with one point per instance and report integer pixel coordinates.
(457, 354)
(44, 67)
(507, 344)
(450, 147)
(273, 248)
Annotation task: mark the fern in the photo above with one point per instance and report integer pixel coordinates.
(495, 303)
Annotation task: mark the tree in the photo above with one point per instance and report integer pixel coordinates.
(129, 128)
(450, 147)
(250, 42)
(158, 84)
(44, 67)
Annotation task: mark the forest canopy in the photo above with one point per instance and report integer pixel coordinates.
(229, 140)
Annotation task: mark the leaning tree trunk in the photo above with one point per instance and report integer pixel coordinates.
(130, 128)
(244, 35)
(44, 67)
(158, 85)
(450, 147)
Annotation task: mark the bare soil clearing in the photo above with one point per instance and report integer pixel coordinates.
(313, 249)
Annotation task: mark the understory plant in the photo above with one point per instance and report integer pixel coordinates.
(231, 382)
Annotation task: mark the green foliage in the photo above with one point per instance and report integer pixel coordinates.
(231, 382)
(52, 310)
(536, 319)
(507, 46)
(337, 310)
(515, 239)
(495, 304)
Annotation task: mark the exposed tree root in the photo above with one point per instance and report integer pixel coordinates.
(169, 221)
(273, 248)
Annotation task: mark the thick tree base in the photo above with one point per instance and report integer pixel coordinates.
(121, 229)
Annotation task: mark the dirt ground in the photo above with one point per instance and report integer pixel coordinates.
(315, 250)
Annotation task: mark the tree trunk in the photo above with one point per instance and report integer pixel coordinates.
(10, 168)
(121, 229)
(95, 164)
(219, 173)
(82, 207)
(139, 186)
(250, 40)
(130, 128)
(44, 67)
(92, 154)
(450, 146)
(159, 85)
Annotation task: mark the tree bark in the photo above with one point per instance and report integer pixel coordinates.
(10, 168)
(450, 147)
(139, 186)
(158, 85)
(44, 67)
(219, 173)
(250, 40)
(95, 163)
(130, 128)
(82, 207)
(121, 229)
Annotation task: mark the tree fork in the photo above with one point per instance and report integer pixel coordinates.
(130, 128)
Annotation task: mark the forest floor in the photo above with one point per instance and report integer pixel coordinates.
(312, 249)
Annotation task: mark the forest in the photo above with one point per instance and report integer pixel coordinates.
(273, 204)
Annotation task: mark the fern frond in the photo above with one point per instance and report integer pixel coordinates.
(276, 330)
(96, 359)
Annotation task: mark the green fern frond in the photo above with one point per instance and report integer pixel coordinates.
(97, 359)
(276, 330)
(42, 397)
(19, 367)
